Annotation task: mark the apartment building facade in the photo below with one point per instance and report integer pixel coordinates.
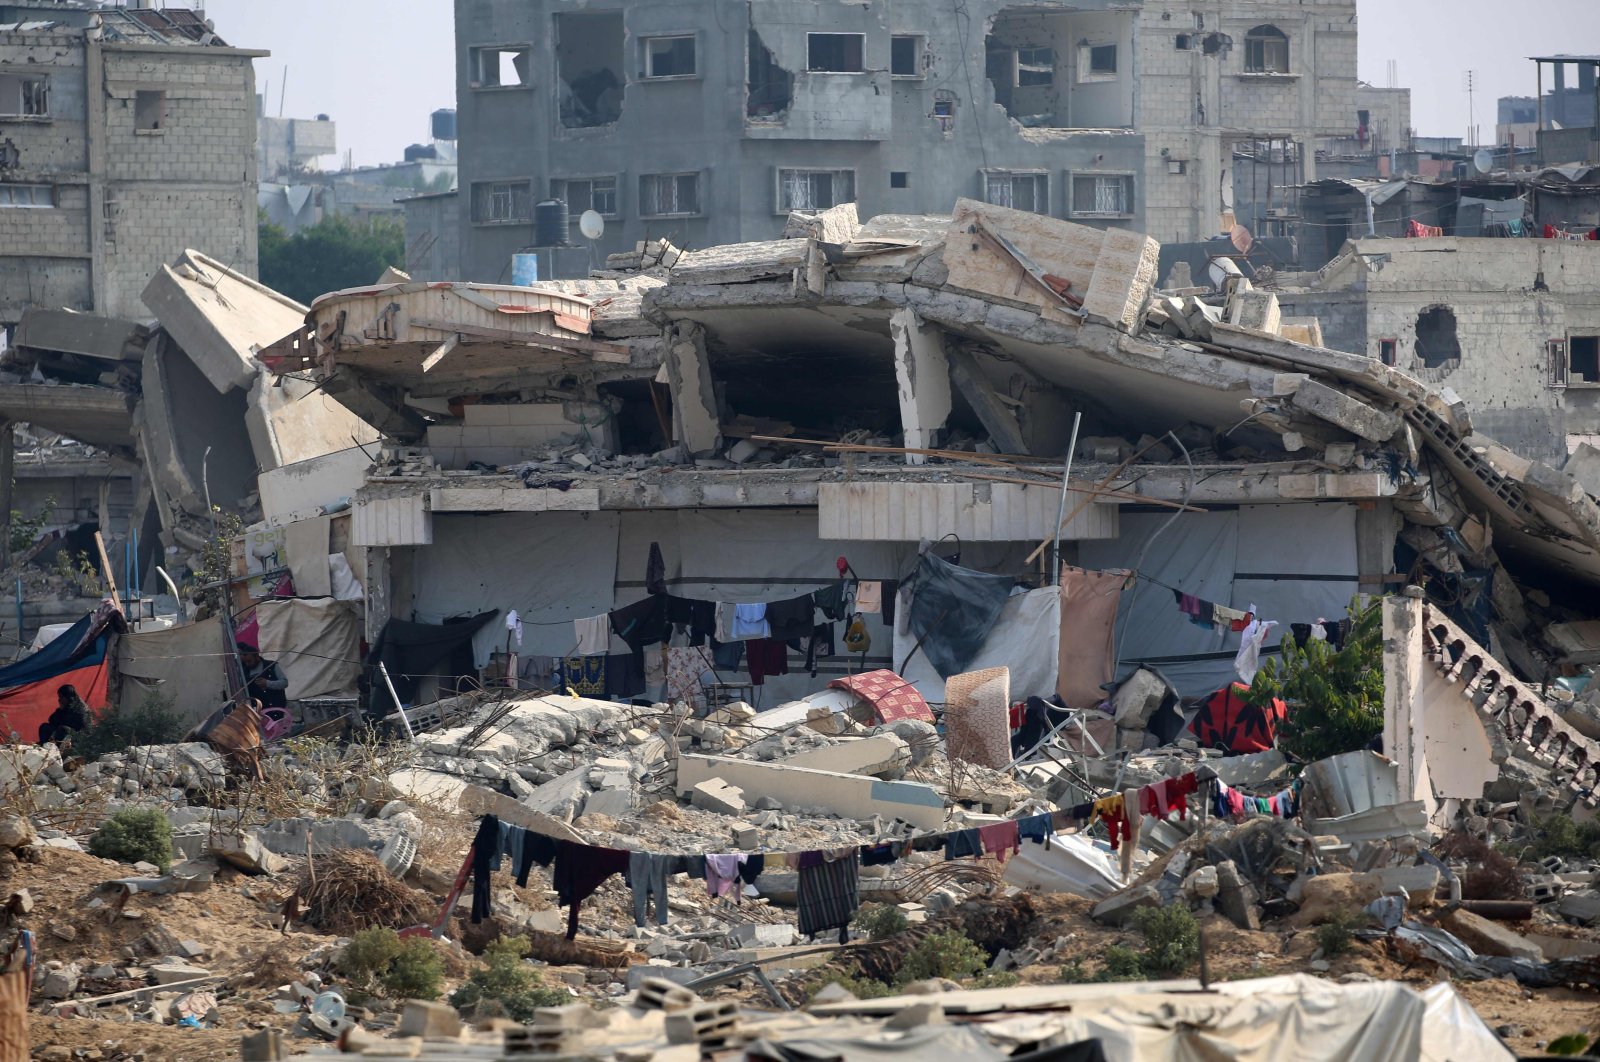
(707, 122)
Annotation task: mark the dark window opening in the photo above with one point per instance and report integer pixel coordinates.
(24, 96)
(905, 56)
(598, 194)
(1185, 42)
(1036, 67)
(1103, 59)
(944, 108)
(1266, 51)
(668, 56)
(1437, 344)
(1583, 353)
(589, 69)
(1178, 167)
(838, 53)
(770, 88)
(644, 423)
(1388, 350)
(149, 111)
(496, 67)
(899, 179)
(669, 195)
(1216, 43)
(1558, 362)
(502, 202)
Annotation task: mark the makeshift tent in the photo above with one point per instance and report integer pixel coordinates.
(412, 652)
(80, 657)
(183, 664)
(1024, 639)
(317, 644)
(1225, 721)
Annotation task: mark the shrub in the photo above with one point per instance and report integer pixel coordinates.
(948, 954)
(153, 722)
(504, 980)
(1335, 935)
(1171, 939)
(368, 954)
(1558, 835)
(996, 979)
(135, 835)
(860, 987)
(880, 920)
(416, 973)
(1122, 964)
(1335, 699)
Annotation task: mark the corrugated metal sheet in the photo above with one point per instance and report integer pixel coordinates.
(977, 512)
(402, 521)
(1350, 783)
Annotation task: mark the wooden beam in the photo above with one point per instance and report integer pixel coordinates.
(105, 570)
(997, 420)
(442, 352)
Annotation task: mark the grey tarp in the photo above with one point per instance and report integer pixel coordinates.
(931, 1041)
(316, 643)
(1024, 639)
(181, 663)
(952, 611)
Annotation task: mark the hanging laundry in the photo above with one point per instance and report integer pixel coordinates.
(686, 667)
(722, 875)
(879, 855)
(819, 646)
(485, 858)
(869, 597)
(1247, 661)
(750, 621)
(641, 624)
(535, 848)
(828, 893)
(1198, 611)
(766, 657)
(792, 618)
(1162, 798)
(1089, 602)
(647, 875)
(890, 596)
(655, 571)
(580, 869)
(1036, 828)
(1113, 810)
(594, 635)
(830, 600)
(699, 617)
(1001, 839)
(953, 610)
(584, 675)
(963, 843)
(723, 629)
(727, 655)
(1229, 619)
(514, 626)
(753, 867)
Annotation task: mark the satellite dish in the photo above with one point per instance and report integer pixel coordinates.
(1483, 160)
(592, 225)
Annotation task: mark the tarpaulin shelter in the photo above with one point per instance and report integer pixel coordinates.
(80, 658)
(411, 652)
(1226, 721)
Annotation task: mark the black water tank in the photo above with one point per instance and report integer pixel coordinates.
(444, 124)
(550, 224)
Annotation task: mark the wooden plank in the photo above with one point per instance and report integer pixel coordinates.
(105, 568)
(442, 352)
(996, 418)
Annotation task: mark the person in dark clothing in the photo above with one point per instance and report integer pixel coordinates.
(262, 677)
(71, 715)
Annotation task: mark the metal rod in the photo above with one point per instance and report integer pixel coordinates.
(384, 671)
(1061, 511)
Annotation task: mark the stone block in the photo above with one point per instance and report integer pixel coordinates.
(562, 797)
(244, 851)
(714, 794)
(1490, 938)
(61, 982)
(171, 973)
(431, 1021)
(778, 935)
(846, 795)
(1118, 909)
(878, 755)
(678, 975)
(1137, 699)
(613, 802)
(1580, 907)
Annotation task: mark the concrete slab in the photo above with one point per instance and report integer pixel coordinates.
(847, 795)
(874, 755)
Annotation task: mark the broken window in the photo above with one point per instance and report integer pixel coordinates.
(27, 195)
(1021, 191)
(1266, 51)
(815, 189)
(598, 194)
(899, 179)
(24, 96)
(1097, 62)
(1388, 350)
(1437, 344)
(770, 88)
(1178, 167)
(1102, 195)
(589, 68)
(1583, 359)
(667, 56)
(905, 56)
(149, 111)
(1036, 67)
(839, 53)
(502, 202)
(498, 66)
(1185, 42)
(1557, 349)
(669, 194)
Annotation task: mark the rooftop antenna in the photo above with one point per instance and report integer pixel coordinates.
(1394, 73)
(283, 90)
(1469, 81)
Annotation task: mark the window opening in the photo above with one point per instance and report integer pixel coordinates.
(1437, 343)
(1583, 359)
(589, 69)
(669, 56)
(770, 88)
(1020, 191)
(815, 189)
(1102, 195)
(905, 56)
(149, 110)
(899, 179)
(502, 202)
(669, 194)
(839, 53)
(1388, 350)
(499, 67)
(1266, 51)
(24, 97)
(598, 194)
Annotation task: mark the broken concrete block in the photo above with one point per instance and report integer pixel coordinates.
(1137, 699)
(613, 802)
(714, 794)
(847, 795)
(16, 832)
(1490, 938)
(880, 755)
(562, 797)
(1118, 910)
(61, 982)
(244, 851)
(1236, 900)
(431, 1021)
(171, 973)
(779, 935)
(1256, 310)
(1581, 907)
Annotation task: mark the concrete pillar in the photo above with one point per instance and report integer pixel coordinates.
(922, 377)
(95, 134)
(1376, 528)
(380, 591)
(695, 425)
(1403, 733)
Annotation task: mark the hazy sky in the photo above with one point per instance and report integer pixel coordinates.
(378, 67)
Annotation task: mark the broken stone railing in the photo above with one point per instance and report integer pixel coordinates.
(1516, 719)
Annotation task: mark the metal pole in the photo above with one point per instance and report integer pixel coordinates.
(384, 671)
(1061, 512)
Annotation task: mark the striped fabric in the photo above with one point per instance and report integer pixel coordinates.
(828, 895)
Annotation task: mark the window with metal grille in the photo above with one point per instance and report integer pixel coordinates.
(669, 194)
(598, 194)
(1102, 195)
(1036, 67)
(1020, 191)
(502, 202)
(1266, 51)
(815, 189)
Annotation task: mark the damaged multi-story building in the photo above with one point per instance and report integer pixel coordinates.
(127, 134)
(707, 123)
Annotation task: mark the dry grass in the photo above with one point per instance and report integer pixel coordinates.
(352, 891)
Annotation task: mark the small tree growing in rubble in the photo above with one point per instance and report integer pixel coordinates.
(1335, 697)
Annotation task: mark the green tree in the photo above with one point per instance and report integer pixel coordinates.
(337, 252)
(1335, 699)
